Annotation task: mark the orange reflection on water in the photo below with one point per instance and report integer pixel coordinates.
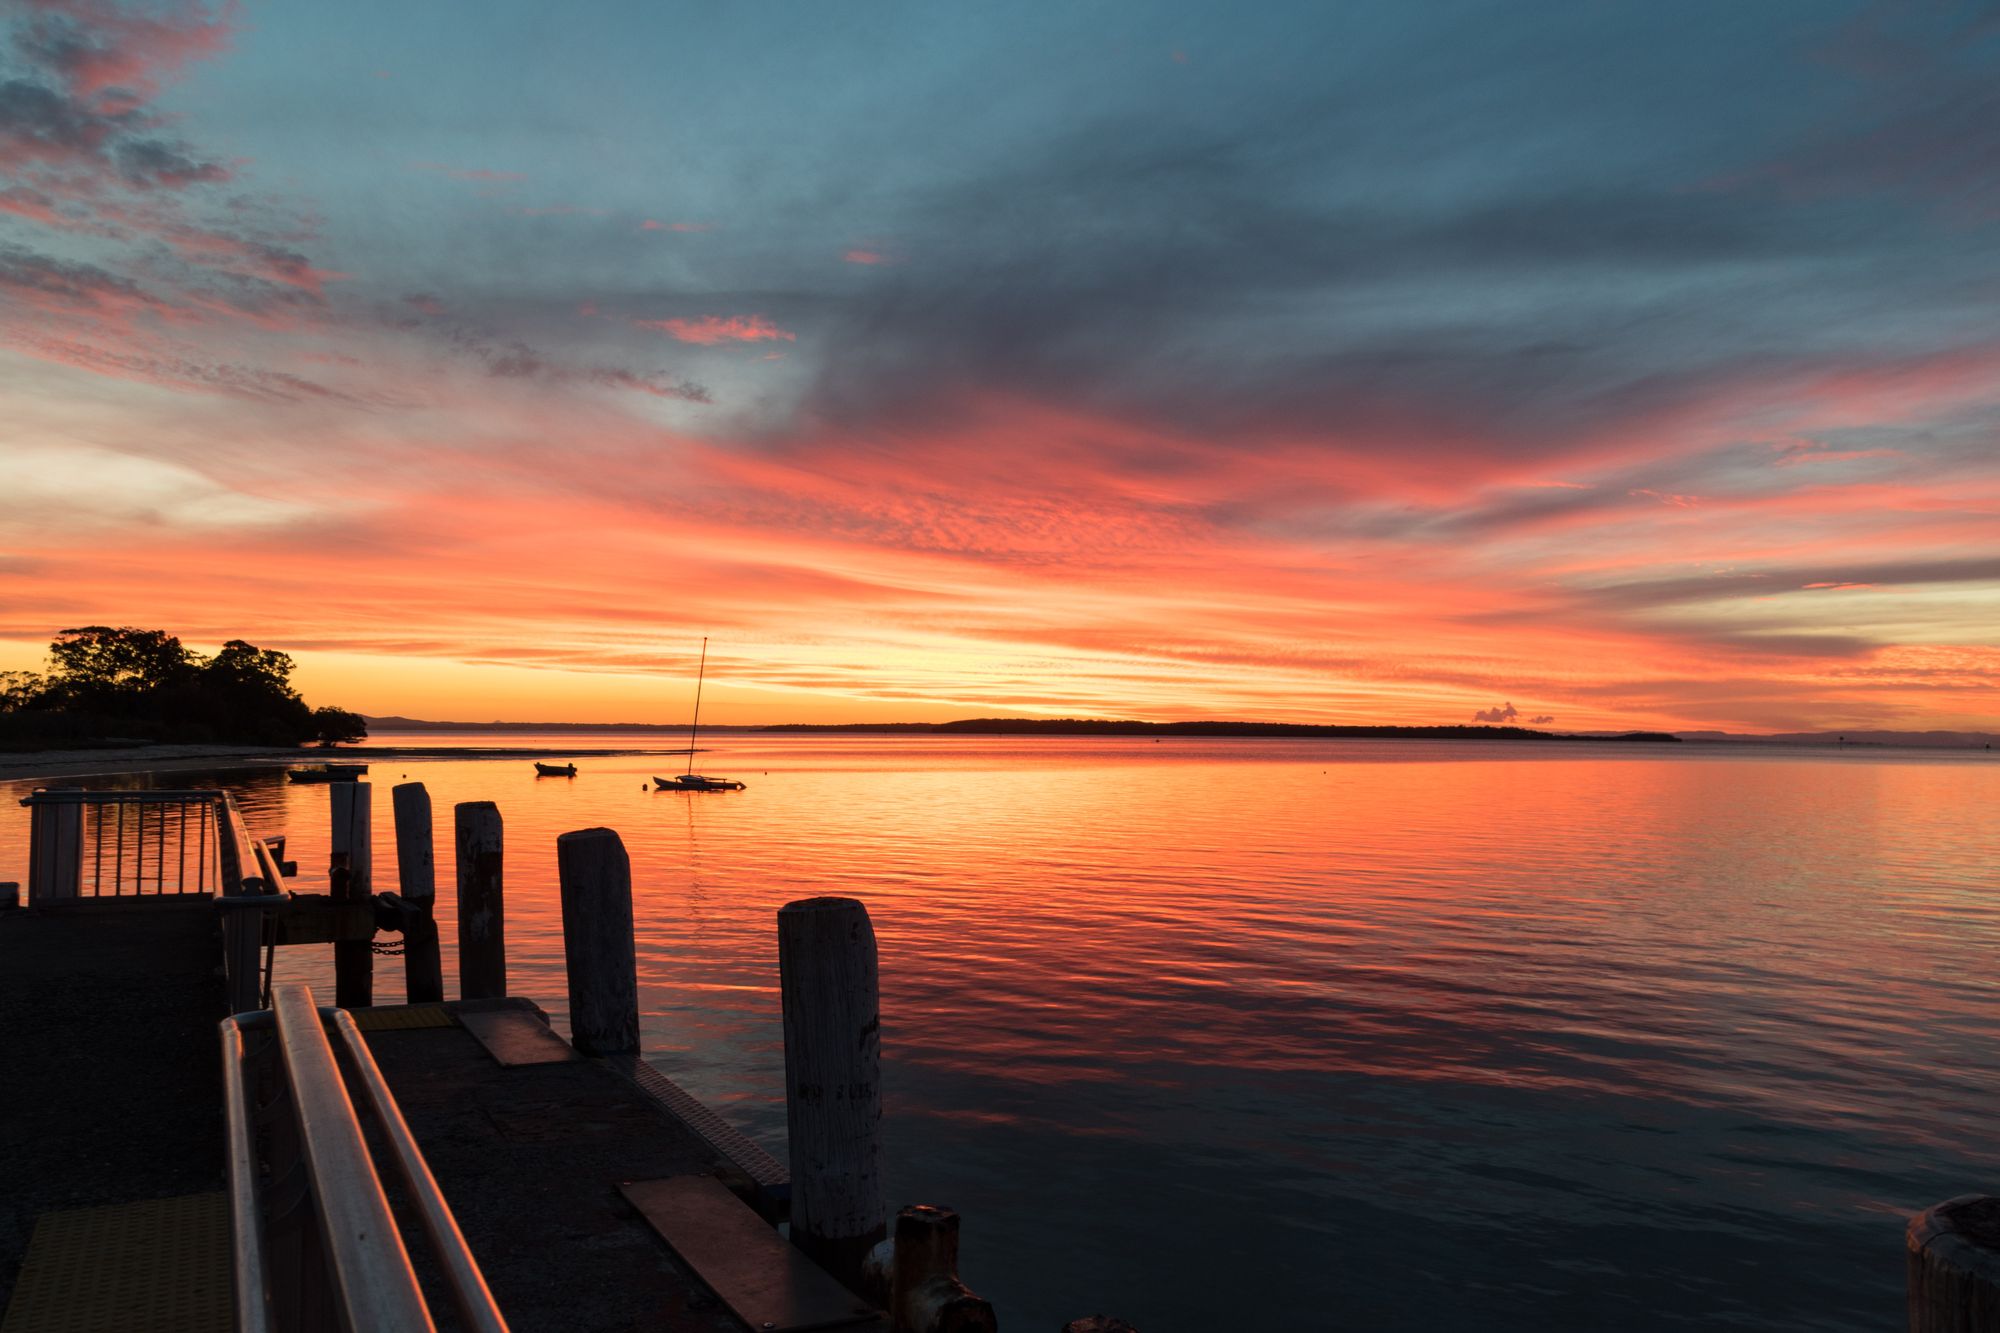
(1667, 988)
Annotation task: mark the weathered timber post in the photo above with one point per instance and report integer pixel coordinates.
(353, 880)
(925, 1295)
(833, 1080)
(416, 883)
(1954, 1266)
(55, 849)
(482, 920)
(596, 878)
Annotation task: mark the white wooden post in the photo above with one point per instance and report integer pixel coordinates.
(353, 881)
(482, 908)
(1953, 1265)
(353, 833)
(55, 844)
(833, 1080)
(598, 950)
(416, 879)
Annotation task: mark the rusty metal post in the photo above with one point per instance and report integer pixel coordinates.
(925, 1295)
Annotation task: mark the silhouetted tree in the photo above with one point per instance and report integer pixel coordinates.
(98, 667)
(246, 693)
(19, 690)
(335, 726)
(126, 682)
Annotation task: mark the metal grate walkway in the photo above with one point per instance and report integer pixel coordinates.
(157, 1266)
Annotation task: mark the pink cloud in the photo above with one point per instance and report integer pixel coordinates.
(712, 329)
(121, 57)
(865, 257)
(650, 225)
(30, 204)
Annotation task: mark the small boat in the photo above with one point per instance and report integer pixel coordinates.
(327, 773)
(691, 780)
(696, 782)
(543, 770)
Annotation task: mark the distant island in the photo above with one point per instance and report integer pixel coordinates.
(1076, 726)
(1065, 726)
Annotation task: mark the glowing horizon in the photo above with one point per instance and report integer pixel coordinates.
(1305, 366)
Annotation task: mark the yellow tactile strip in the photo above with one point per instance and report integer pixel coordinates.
(158, 1266)
(403, 1016)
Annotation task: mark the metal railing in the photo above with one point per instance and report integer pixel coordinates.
(316, 1246)
(114, 844)
(163, 844)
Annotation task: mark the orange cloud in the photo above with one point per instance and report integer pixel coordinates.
(709, 330)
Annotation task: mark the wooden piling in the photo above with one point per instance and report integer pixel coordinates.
(352, 881)
(925, 1295)
(416, 880)
(833, 1080)
(1954, 1266)
(482, 920)
(596, 878)
(55, 849)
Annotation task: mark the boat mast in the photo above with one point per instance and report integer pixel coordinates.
(696, 722)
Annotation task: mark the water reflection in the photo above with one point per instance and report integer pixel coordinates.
(1411, 1032)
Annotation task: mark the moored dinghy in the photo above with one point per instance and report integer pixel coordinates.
(327, 773)
(543, 770)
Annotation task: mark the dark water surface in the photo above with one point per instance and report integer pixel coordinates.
(1382, 1035)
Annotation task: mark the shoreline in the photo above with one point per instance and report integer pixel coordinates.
(29, 765)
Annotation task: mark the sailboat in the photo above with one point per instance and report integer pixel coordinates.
(691, 780)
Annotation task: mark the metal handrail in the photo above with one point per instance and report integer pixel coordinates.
(470, 1294)
(131, 796)
(372, 1276)
(242, 870)
(253, 1314)
(365, 1256)
(243, 953)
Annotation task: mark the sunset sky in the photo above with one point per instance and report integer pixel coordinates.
(1605, 365)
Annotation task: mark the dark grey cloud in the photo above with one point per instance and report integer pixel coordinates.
(1244, 279)
(69, 282)
(512, 359)
(44, 127)
(231, 379)
(1641, 594)
(151, 162)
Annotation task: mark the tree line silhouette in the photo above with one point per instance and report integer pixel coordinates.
(144, 684)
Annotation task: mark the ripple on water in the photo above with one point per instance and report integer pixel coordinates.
(1420, 1033)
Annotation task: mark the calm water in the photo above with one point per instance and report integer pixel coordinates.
(1375, 1034)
